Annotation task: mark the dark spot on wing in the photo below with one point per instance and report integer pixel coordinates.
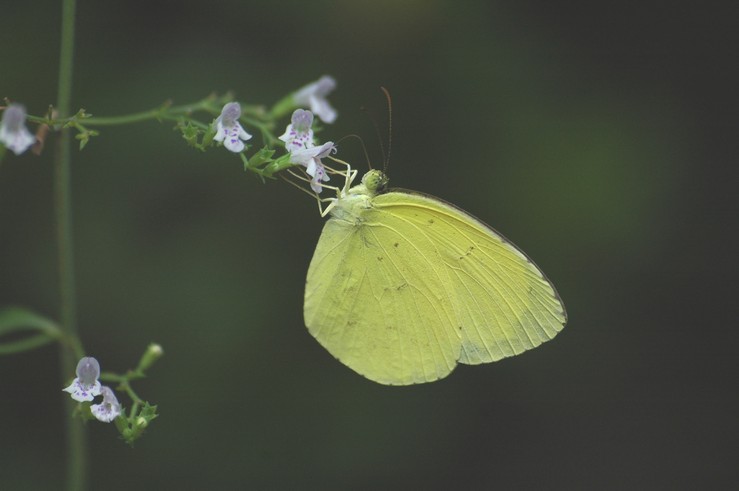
(395, 245)
(468, 253)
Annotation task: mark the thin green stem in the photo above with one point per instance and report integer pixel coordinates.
(160, 113)
(76, 447)
(210, 104)
(124, 382)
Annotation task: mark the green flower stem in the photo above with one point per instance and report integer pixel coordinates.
(282, 108)
(121, 379)
(259, 112)
(124, 383)
(76, 448)
(253, 116)
(264, 128)
(162, 113)
(277, 165)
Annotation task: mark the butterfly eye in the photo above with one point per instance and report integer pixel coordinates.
(382, 183)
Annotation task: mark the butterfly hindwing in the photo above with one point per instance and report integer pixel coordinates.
(376, 298)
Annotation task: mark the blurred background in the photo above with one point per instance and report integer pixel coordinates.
(599, 138)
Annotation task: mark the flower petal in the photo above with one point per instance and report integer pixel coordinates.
(231, 135)
(323, 109)
(319, 176)
(109, 409)
(13, 132)
(88, 370)
(314, 95)
(83, 392)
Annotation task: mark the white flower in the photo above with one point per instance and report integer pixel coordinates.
(86, 386)
(13, 131)
(299, 134)
(109, 409)
(310, 158)
(314, 95)
(228, 128)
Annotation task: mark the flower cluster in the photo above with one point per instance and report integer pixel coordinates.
(87, 386)
(226, 129)
(298, 138)
(230, 132)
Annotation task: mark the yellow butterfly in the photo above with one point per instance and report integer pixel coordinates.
(403, 286)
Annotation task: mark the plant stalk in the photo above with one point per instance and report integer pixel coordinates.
(76, 441)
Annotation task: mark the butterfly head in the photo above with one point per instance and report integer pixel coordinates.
(375, 181)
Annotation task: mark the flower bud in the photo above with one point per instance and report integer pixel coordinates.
(153, 353)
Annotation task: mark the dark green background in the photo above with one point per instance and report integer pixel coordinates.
(598, 137)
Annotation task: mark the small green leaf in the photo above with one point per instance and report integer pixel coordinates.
(262, 157)
(136, 424)
(84, 136)
(190, 134)
(208, 135)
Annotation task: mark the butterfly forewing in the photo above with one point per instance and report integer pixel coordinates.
(503, 303)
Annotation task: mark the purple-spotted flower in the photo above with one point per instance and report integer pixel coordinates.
(299, 134)
(314, 95)
(310, 158)
(229, 130)
(86, 386)
(109, 409)
(13, 131)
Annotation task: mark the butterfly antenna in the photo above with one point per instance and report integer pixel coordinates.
(386, 158)
(364, 147)
(377, 132)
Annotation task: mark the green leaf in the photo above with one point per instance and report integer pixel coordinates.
(208, 135)
(262, 157)
(136, 424)
(84, 136)
(190, 134)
